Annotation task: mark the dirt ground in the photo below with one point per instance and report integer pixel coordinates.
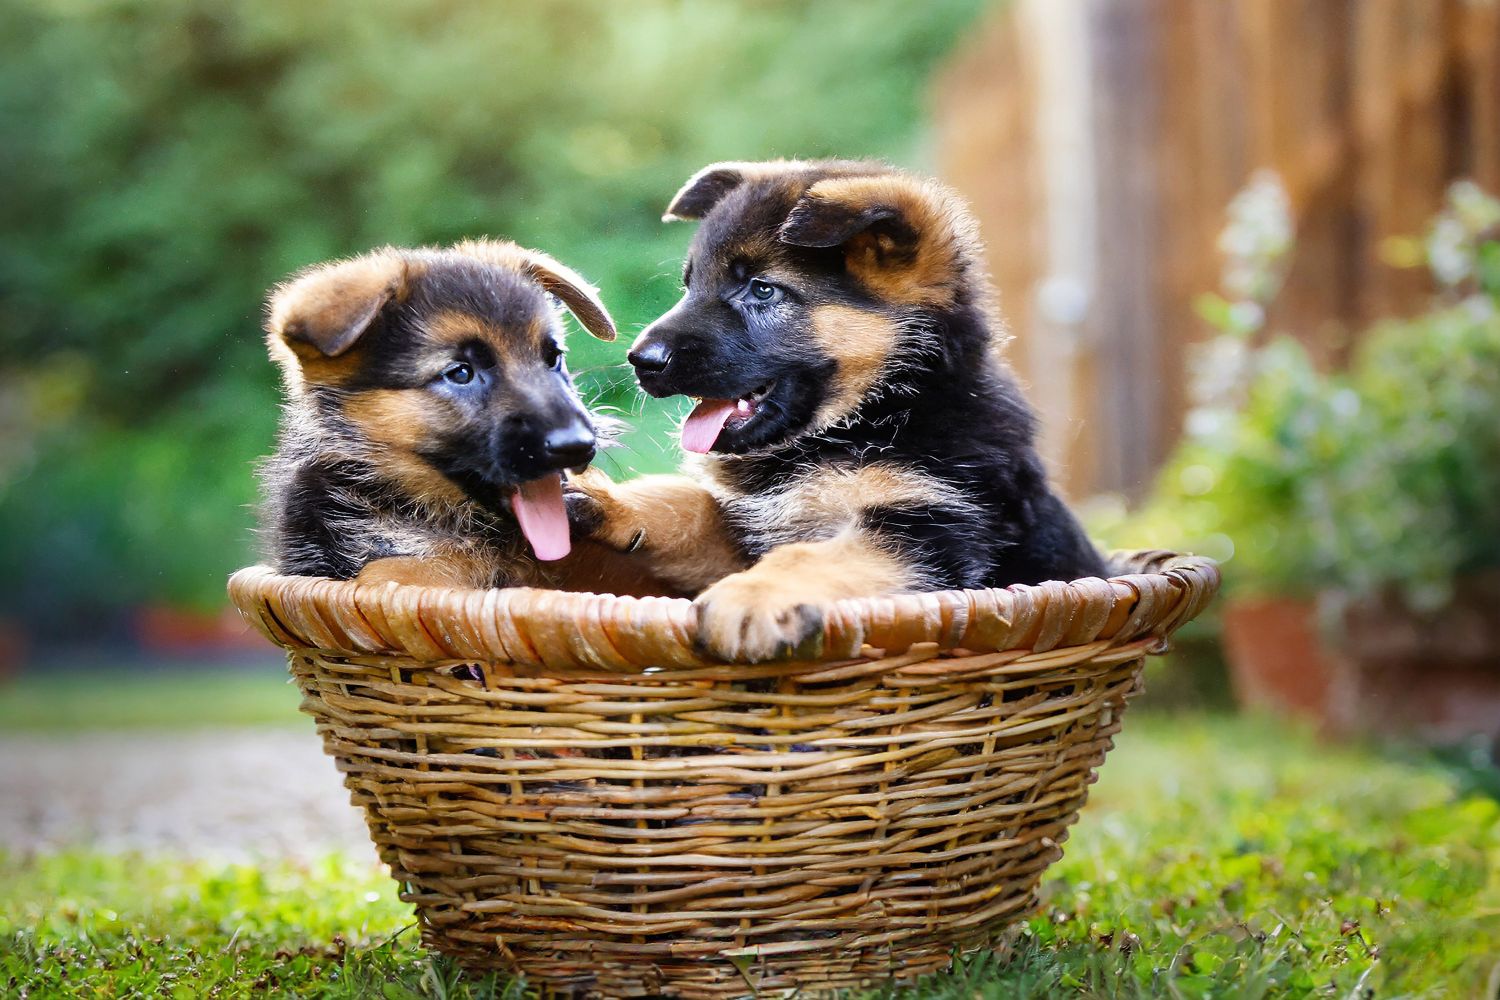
(240, 793)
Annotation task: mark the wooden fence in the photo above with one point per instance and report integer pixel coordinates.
(1100, 141)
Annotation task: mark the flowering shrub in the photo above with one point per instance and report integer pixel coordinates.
(1386, 475)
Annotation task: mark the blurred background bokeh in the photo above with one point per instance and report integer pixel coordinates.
(1249, 252)
(1309, 394)
(163, 163)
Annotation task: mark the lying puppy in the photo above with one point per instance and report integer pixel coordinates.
(861, 433)
(429, 416)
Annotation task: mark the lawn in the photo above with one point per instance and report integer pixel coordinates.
(70, 698)
(1218, 857)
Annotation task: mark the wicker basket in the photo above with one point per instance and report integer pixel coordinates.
(564, 788)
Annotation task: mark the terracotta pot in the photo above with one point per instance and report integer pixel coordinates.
(1277, 661)
(13, 648)
(179, 632)
(1385, 672)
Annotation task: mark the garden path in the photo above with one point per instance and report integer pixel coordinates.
(231, 793)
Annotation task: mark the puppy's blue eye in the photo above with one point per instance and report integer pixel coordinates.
(459, 374)
(763, 291)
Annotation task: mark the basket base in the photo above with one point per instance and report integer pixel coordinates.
(824, 972)
(699, 835)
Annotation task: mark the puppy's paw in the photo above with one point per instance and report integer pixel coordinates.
(596, 512)
(745, 620)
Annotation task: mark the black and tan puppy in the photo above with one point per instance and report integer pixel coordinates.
(860, 432)
(429, 416)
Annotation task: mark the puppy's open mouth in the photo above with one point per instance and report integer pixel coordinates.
(711, 417)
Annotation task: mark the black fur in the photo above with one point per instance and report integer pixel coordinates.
(324, 516)
(944, 405)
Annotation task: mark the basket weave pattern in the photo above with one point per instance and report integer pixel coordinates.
(565, 788)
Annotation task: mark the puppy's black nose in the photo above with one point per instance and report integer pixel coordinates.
(569, 446)
(651, 356)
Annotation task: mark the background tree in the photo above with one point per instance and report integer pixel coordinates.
(164, 162)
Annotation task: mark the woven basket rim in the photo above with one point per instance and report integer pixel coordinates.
(1154, 592)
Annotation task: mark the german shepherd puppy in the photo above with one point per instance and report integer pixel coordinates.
(860, 432)
(429, 416)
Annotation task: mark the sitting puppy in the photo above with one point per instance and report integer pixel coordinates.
(861, 433)
(429, 416)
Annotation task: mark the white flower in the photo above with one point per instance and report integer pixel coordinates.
(1447, 251)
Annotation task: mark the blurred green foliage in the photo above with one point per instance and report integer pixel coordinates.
(1382, 476)
(69, 697)
(164, 162)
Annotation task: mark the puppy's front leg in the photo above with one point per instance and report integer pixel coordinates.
(451, 570)
(673, 526)
(775, 608)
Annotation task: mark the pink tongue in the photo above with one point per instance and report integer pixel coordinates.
(544, 520)
(701, 429)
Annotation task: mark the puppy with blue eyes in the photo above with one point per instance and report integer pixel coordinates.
(856, 430)
(430, 420)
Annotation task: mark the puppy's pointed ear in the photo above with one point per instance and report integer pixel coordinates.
(911, 239)
(327, 308)
(707, 187)
(555, 277)
(703, 191)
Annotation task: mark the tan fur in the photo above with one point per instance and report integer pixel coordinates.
(675, 527)
(345, 295)
(827, 500)
(670, 524)
(591, 567)
(456, 327)
(456, 569)
(860, 341)
(776, 607)
(397, 418)
(594, 568)
(947, 238)
(314, 319)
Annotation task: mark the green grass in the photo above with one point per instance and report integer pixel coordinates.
(175, 698)
(1217, 858)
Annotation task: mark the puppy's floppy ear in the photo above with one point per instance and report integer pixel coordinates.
(832, 212)
(570, 288)
(912, 239)
(824, 222)
(330, 306)
(581, 298)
